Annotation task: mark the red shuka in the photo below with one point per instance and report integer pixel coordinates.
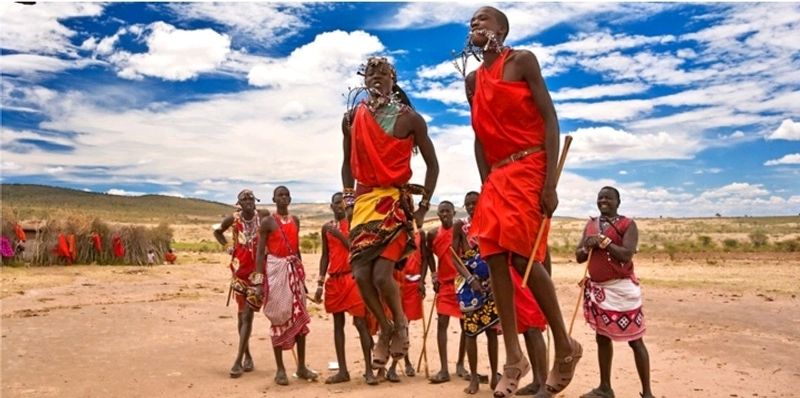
(19, 232)
(447, 302)
(97, 242)
(341, 291)
(277, 241)
(338, 253)
(378, 159)
(119, 248)
(506, 121)
(412, 299)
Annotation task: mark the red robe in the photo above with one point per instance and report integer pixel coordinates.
(62, 249)
(97, 242)
(119, 248)
(409, 289)
(341, 290)
(447, 301)
(19, 232)
(506, 121)
(378, 159)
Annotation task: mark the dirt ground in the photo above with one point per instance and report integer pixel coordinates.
(723, 328)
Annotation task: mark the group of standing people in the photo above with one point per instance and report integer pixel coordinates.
(375, 258)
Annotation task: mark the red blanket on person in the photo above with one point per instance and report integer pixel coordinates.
(409, 280)
(341, 290)
(447, 301)
(506, 121)
(529, 315)
(378, 159)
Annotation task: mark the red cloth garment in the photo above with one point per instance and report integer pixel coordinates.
(602, 267)
(97, 242)
(282, 244)
(445, 271)
(378, 159)
(73, 246)
(338, 253)
(19, 232)
(409, 280)
(62, 248)
(170, 257)
(119, 248)
(529, 315)
(506, 121)
(341, 290)
(447, 302)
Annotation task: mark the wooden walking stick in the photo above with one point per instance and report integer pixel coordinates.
(426, 328)
(561, 160)
(580, 293)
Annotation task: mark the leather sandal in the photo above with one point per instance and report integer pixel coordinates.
(564, 369)
(508, 384)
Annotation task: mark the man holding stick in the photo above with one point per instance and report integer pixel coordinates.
(516, 148)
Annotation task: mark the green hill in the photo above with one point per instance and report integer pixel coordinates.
(40, 202)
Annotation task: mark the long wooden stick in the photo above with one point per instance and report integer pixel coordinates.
(426, 328)
(531, 259)
(580, 293)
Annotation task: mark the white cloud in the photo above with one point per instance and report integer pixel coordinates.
(122, 192)
(623, 172)
(604, 111)
(606, 145)
(331, 56)
(32, 64)
(525, 19)
(793, 158)
(451, 94)
(38, 29)
(218, 143)
(174, 54)
(599, 91)
(788, 130)
(256, 24)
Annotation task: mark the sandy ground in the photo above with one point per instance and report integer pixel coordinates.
(727, 328)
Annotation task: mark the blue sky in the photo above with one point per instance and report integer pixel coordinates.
(690, 109)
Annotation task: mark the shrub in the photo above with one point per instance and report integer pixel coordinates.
(730, 243)
(758, 238)
(705, 241)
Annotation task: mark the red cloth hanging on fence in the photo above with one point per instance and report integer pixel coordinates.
(119, 248)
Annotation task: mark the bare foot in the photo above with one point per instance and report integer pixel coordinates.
(370, 379)
(247, 363)
(461, 372)
(392, 376)
(530, 389)
(410, 372)
(306, 374)
(280, 378)
(341, 377)
(442, 377)
(474, 385)
(236, 371)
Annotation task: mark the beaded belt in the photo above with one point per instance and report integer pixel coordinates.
(517, 156)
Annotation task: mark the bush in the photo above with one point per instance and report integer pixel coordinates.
(310, 243)
(705, 241)
(791, 245)
(730, 244)
(758, 238)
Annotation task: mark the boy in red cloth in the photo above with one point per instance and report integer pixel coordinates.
(341, 292)
(440, 242)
